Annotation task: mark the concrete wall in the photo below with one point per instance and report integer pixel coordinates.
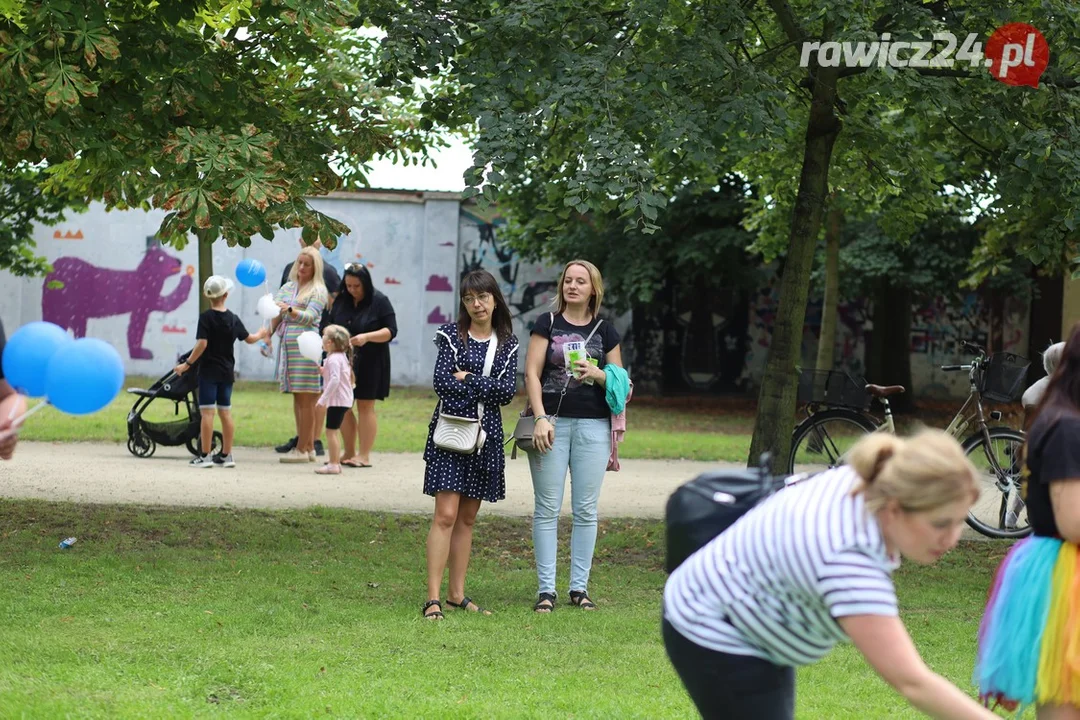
(121, 287)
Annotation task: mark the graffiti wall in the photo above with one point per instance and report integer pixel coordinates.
(112, 280)
(937, 328)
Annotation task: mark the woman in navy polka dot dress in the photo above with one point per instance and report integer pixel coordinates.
(461, 482)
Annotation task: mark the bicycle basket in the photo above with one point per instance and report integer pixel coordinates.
(832, 387)
(1004, 377)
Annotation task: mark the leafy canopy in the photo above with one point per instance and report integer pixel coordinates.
(227, 114)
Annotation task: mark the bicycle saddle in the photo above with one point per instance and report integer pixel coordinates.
(883, 391)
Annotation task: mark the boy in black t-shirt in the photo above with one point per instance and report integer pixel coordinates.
(218, 330)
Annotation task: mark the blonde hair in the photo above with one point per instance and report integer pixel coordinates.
(923, 472)
(317, 286)
(595, 278)
(341, 341)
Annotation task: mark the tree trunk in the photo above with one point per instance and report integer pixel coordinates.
(776, 400)
(827, 339)
(206, 265)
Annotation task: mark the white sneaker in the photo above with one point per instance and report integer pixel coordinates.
(311, 455)
(224, 460)
(202, 461)
(294, 456)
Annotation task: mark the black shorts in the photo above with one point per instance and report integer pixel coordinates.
(334, 417)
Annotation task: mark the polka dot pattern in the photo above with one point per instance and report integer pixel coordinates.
(480, 475)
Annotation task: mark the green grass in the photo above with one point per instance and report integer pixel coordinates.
(163, 613)
(658, 428)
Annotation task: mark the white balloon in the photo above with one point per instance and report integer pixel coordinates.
(267, 308)
(310, 345)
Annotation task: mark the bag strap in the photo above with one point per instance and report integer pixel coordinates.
(489, 360)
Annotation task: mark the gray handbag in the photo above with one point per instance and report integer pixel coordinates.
(526, 424)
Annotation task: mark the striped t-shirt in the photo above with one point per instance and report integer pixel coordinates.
(773, 584)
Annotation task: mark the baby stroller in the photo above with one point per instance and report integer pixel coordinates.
(145, 436)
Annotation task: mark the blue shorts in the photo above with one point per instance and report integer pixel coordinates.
(214, 394)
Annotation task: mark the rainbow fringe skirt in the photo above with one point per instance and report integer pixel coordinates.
(1029, 639)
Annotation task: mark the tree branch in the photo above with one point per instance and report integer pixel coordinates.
(786, 17)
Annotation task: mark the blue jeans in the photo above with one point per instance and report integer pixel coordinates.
(581, 445)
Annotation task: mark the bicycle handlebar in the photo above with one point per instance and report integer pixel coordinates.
(951, 368)
(973, 347)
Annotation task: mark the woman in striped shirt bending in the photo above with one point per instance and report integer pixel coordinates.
(811, 567)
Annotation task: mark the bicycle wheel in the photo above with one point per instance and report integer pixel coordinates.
(999, 512)
(821, 440)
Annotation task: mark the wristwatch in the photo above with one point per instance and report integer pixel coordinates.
(469, 378)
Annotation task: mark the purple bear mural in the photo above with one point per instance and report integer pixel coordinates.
(90, 291)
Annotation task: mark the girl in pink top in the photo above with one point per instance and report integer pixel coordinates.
(337, 394)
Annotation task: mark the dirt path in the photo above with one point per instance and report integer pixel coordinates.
(107, 473)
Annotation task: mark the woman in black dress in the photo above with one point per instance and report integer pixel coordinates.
(369, 317)
(475, 374)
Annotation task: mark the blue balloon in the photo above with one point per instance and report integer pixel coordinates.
(250, 273)
(85, 377)
(27, 354)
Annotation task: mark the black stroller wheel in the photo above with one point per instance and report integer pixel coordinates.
(216, 443)
(141, 445)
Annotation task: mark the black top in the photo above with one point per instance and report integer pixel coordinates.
(329, 274)
(371, 362)
(3, 342)
(220, 329)
(581, 401)
(1053, 453)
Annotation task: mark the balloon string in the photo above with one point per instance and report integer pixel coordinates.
(17, 421)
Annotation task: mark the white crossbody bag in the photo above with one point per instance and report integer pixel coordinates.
(461, 434)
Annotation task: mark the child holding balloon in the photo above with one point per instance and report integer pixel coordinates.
(218, 329)
(337, 394)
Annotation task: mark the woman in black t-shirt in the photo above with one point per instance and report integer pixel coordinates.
(1029, 642)
(370, 319)
(565, 379)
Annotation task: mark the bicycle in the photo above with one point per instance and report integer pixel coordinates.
(838, 416)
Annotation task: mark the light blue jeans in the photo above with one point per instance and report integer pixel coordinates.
(581, 445)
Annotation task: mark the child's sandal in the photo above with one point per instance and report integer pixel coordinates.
(581, 599)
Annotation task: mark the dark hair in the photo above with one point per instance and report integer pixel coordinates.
(358, 271)
(1062, 394)
(481, 281)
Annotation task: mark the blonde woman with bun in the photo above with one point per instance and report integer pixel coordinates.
(811, 567)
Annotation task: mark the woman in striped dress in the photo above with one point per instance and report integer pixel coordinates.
(811, 567)
(301, 300)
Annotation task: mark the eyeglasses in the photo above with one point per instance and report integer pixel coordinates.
(483, 297)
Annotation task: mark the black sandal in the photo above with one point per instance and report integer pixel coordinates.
(437, 615)
(581, 599)
(464, 605)
(545, 597)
